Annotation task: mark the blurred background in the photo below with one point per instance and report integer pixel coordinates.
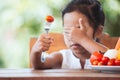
(22, 19)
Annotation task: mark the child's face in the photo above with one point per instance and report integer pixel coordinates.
(72, 20)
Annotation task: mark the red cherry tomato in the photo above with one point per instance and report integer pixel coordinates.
(117, 62)
(100, 63)
(95, 62)
(49, 18)
(96, 56)
(105, 60)
(111, 62)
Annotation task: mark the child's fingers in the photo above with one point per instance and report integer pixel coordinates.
(81, 23)
(67, 29)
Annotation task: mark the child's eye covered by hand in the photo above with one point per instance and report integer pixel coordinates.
(81, 25)
(79, 28)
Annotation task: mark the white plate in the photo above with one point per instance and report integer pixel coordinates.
(110, 69)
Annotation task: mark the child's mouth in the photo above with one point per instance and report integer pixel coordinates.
(75, 46)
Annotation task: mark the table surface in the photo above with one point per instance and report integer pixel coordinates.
(53, 74)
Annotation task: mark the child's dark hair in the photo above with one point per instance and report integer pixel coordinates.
(90, 8)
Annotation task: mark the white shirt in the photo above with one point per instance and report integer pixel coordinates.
(72, 62)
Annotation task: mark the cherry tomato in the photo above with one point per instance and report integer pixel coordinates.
(96, 56)
(111, 62)
(95, 62)
(105, 60)
(49, 18)
(117, 62)
(101, 63)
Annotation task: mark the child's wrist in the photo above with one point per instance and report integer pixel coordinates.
(43, 57)
(83, 40)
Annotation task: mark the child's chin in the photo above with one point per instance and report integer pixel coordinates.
(78, 49)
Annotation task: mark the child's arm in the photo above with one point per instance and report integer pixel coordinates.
(43, 44)
(92, 46)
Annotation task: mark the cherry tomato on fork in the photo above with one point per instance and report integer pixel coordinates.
(49, 18)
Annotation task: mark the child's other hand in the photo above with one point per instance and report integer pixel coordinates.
(77, 33)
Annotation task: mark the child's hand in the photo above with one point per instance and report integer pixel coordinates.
(76, 34)
(43, 43)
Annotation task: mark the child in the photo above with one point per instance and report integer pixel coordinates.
(83, 22)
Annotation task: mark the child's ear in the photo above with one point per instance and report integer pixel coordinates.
(99, 31)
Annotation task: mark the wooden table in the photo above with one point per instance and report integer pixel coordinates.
(55, 74)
